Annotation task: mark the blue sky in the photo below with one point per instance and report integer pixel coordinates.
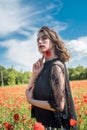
(21, 19)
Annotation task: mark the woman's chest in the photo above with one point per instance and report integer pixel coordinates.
(42, 88)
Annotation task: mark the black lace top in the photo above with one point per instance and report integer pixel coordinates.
(50, 85)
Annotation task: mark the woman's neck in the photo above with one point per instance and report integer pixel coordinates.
(52, 56)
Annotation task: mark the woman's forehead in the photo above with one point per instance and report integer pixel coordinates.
(41, 34)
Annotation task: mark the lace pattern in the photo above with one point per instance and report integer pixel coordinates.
(57, 82)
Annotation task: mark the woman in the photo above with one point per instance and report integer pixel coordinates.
(49, 91)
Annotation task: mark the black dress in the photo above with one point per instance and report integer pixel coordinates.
(50, 86)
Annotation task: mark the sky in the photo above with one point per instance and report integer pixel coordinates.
(20, 21)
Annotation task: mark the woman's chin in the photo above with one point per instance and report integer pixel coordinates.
(43, 50)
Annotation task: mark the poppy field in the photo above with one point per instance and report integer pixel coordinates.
(15, 110)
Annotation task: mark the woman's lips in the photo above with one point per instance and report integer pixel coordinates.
(41, 46)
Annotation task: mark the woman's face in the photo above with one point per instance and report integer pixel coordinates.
(44, 43)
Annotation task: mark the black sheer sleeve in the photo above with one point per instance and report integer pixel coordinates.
(57, 83)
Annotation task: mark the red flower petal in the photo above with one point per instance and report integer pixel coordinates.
(38, 126)
(16, 117)
(47, 53)
(73, 122)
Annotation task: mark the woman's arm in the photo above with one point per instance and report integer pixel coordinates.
(37, 103)
(41, 103)
(45, 105)
(31, 82)
(57, 83)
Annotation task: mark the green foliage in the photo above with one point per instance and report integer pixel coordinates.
(77, 73)
(12, 77)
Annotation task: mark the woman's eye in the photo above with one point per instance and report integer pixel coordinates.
(44, 38)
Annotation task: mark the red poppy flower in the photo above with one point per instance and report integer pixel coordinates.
(16, 117)
(30, 120)
(47, 53)
(5, 124)
(38, 126)
(22, 129)
(80, 121)
(85, 96)
(8, 126)
(0, 126)
(23, 117)
(30, 107)
(73, 122)
(85, 112)
(85, 100)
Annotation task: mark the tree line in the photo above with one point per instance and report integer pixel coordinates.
(10, 76)
(78, 73)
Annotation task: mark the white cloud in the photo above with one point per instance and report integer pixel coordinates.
(22, 53)
(78, 48)
(16, 17)
(59, 26)
(56, 4)
(12, 16)
(51, 6)
(25, 53)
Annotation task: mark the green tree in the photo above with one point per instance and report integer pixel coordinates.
(26, 76)
(71, 71)
(11, 76)
(83, 74)
(1, 76)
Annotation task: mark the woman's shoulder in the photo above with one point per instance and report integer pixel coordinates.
(59, 63)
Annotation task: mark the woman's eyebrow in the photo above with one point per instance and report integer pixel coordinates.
(41, 37)
(44, 35)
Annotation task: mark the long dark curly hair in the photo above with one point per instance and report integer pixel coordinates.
(60, 49)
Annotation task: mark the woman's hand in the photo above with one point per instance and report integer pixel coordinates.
(37, 67)
(29, 94)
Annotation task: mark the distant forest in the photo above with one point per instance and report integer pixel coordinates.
(10, 76)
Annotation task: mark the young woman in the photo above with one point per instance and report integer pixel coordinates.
(49, 90)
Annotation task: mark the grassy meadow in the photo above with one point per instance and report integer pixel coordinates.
(15, 111)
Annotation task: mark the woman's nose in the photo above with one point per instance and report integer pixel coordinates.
(40, 41)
